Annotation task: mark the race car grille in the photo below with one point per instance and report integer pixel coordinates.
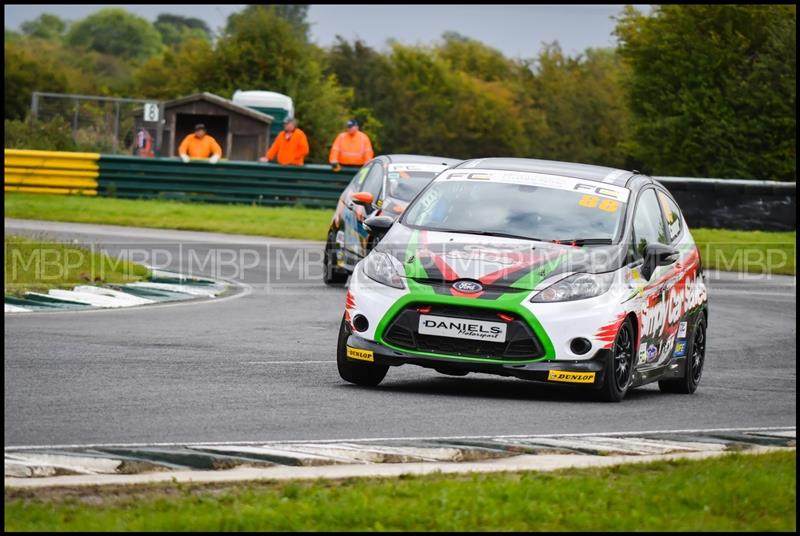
(521, 343)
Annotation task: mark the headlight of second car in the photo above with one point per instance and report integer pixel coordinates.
(575, 287)
(383, 268)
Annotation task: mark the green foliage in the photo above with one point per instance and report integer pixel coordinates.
(11, 36)
(583, 104)
(475, 58)
(179, 21)
(26, 72)
(369, 125)
(713, 89)
(175, 29)
(697, 90)
(45, 26)
(467, 100)
(177, 72)
(53, 135)
(117, 32)
(258, 50)
(360, 68)
(295, 14)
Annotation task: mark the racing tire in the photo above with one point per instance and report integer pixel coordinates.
(330, 274)
(619, 372)
(366, 374)
(695, 359)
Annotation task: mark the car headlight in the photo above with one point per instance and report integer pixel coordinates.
(575, 287)
(384, 268)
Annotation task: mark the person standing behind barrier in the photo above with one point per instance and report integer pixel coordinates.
(143, 144)
(200, 145)
(351, 148)
(290, 147)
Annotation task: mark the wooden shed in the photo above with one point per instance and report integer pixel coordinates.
(243, 133)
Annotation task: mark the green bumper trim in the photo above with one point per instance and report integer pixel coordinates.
(509, 302)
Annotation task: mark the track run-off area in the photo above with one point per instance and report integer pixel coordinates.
(259, 364)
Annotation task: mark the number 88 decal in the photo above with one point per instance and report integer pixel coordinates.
(593, 201)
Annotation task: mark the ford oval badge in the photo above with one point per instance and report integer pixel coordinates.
(468, 287)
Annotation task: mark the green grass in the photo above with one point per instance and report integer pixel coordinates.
(39, 265)
(735, 492)
(746, 251)
(281, 222)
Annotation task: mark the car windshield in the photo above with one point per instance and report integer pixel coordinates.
(565, 211)
(405, 185)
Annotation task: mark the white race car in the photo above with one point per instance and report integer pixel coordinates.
(542, 270)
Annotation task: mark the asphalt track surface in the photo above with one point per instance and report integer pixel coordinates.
(260, 364)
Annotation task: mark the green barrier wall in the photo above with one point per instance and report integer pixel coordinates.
(311, 185)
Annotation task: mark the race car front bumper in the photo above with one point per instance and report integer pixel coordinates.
(587, 372)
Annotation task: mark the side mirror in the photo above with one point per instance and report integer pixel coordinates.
(362, 198)
(656, 255)
(378, 225)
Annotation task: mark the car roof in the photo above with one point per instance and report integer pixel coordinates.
(618, 177)
(420, 159)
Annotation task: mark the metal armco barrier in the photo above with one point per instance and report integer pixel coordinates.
(715, 203)
(50, 172)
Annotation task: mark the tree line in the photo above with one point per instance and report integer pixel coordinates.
(689, 90)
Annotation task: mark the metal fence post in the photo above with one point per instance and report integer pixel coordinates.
(75, 120)
(160, 129)
(116, 127)
(35, 105)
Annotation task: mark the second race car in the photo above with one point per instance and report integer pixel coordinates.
(384, 186)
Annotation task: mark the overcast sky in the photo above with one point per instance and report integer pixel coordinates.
(516, 30)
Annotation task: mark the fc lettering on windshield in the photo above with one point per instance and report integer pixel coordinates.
(597, 190)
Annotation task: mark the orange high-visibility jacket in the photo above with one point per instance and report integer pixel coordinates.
(199, 147)
(352, 149)
(290, 152)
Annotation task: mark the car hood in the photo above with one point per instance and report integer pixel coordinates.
(490, 260)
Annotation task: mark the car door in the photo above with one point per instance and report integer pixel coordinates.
(356, 235)
(680, 278)
(343, 217)
(650, 227)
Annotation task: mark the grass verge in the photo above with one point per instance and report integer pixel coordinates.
(747, 251)
(39, 265)
(734, 492)
(742, 251)
(281, 222)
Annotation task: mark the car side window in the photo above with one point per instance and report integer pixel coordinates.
(358, 179)
(374, 180)
(648, 224)
(673, 215)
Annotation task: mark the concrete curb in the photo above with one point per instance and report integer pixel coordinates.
(550, 462)
(163, 287)
(69, 465)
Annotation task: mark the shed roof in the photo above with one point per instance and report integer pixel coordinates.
(225, 103)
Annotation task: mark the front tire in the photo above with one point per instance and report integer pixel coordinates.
(619, 372)
(332, 275)
(366, 374)
(695, 359)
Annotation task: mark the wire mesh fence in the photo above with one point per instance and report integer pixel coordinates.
(108, 125)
